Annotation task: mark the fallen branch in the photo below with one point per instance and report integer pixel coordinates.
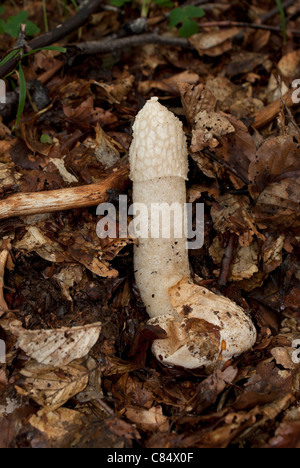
(240, 24)
(111, 45)
(61, 31)
(22, 204)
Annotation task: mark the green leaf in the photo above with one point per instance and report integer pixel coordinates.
(22, 96)
(283, 20)
(184, 16)
(2, 9)
(46, 139)
(31, 28)
(188, 29)
(194, 12)
(12, 26)
(63, 50)
(176, 17)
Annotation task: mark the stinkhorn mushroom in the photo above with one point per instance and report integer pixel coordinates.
(203, 329)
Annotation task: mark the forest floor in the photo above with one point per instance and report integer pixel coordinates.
(78, 370)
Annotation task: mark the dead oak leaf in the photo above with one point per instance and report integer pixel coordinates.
(208, 127)
(276, 159)
(214, 43)
(85, 114)
(151, 419)
(56, 425)
(194, 99)
(169, 85)
(278, 206)
(234, 213)
(52, 387)
(56, 347)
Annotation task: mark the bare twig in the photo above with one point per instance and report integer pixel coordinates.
(61, 31)
(270, 14)
(239, 24)
(111, 45)
(3, 259)
(23, 204)
(227, 260)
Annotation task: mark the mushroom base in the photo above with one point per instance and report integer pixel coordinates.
(203, 330)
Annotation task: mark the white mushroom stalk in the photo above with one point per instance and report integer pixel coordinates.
(203, 329)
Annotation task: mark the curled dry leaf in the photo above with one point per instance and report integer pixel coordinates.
(35, 240)
(151, 419)
(169, 85)
(278, 205)
(105, 151)
(276, 159)
(214, 43)
(208, 127)
(57, 425)
(289, 64)
(8, 178)
(65, 175)
(245, 262)
(194, 99)
(234, 213)
(238, 150)
(67, 277)
(52, 387)
(57, 347)
(116, 91)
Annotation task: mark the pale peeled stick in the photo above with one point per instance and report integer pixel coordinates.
(203, 329)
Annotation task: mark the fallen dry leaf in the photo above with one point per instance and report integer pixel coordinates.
(57, 347)
(214, 43)
(151, 419)
(51, 387)
(58, 424)
(170, 85)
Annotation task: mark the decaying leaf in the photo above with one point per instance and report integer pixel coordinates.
(57, 425)
(67, 277)
(51, 387)
(214, 43)
(105, 151)
(35, 240)
(208, 127)
(57, 347)
(245, 262)
(196, 98)
(170, 85)
(234, 213)
(151, 419)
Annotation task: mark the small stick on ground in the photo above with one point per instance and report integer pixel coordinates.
(23, 204)
(3, 260)
(227, 260)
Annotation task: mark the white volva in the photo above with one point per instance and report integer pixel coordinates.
(202, 328)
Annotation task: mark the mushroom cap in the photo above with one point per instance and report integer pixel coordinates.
(205, 329)
(158, 148)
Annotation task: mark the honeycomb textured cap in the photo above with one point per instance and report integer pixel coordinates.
(158, 147)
